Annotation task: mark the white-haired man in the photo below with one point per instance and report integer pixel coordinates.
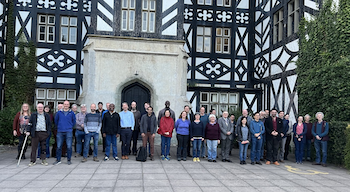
(320, 132)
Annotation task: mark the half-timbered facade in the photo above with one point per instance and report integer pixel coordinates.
(241, 53)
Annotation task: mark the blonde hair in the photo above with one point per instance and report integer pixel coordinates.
(29, 112)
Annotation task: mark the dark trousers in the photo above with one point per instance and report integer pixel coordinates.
(20, 145)
(75, 141)
(40, 138)
(148, 138)
(287, 146)
(54, 146)
(225, 148)
(103, 143)
(182, 141)
(272, 148)
(135, 136)
(125, 136)
(189, 147)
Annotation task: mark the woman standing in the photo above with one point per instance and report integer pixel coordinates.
(166, 127)
(257, 128)
(197, 136)
(212, 135)
(243, 136)
(299, 130)
(182, 127)
(20, 124)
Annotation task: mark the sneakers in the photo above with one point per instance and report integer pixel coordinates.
(106, 158)
(259, 163)
(57, 163)
(167, 158)
(198, 159)
(84, 160)
(77, 155)
(95, 159)
(184, 159)
(163, 157)
(116, 158)
(253, 163)
(69, 162)
(268, 162)
(44, 163)
(31, 164)
(195, 159)
(276, 163)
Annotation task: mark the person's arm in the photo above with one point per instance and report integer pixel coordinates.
(251, 128)
(304, 130)
(16, 124)
(176, 125)
(294, 129)
(30, 125)
(132, 119)
(74, 119)
(49, 123)
(262, 128)
(231, 126)
(326, 130)
(312, 130)
(85, 124)
(99, 124)
(141, 124)
(221, 125)
(155, 125)
(268, 126)
(118, 124)
(103, 125)
(191, 130)
(56, 119)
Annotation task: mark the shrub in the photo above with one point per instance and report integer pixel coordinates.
(337, 142)
(6, 120)
(347, 148)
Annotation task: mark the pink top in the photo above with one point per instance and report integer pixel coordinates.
(300, 128)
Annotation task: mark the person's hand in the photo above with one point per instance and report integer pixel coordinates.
(104, 134)
(153, 135)
(228, 133)
(299, 139)
(259, 137)
(247, 141)
(14, 133)
(219, 141)
(256, 134)
(28, 133)
(142, 134)
(192, 139)
(318, 137)
(282, 135)
(202, 139)
(117, 135)
(166, 133)
(243, 142)
(82, 125)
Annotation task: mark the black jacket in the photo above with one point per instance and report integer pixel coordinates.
(143, 124)
(33, 120)
(111, 123)
(269, 128)
(240, 135)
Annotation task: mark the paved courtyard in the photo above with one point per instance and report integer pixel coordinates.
(158, 175)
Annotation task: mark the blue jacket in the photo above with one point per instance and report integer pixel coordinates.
(182, 127)
(65, 123)
(303, 133)
(256, 127)
(285, 127)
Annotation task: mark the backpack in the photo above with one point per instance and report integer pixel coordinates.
(141, 154)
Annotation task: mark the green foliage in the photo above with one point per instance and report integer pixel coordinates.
(6, 119)
(337, 142)
(324, 63)
(347, 148)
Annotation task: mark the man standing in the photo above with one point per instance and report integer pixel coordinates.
(146, 105)
(101, 111)
(39, 127)
(282, 143)
(320, 132)
(226, 130)
(161, 112)
(244, 114)
(136, 131)
(274, 133)
(233, 123)
(79, 133)
(65, 121)
(190, 117)
(54, 146)
(75, 111)
(262, 115)
(92, 127)
(111, 131)
(127, 123)
(148, 128)
(205, 119)
(309, 137)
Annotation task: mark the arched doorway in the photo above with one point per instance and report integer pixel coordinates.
(136, 92)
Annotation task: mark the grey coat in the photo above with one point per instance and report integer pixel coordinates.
(143, 123)
(225, 128)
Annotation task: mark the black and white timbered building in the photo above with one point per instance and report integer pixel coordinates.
(237, 53)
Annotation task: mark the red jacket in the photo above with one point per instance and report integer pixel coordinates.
(166, 124)
(16, 124)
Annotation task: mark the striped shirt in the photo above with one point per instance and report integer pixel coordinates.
(40, 125)
(92, 122)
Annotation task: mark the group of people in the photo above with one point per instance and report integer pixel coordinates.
(204, 131)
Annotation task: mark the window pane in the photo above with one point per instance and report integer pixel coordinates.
(61, 94)
(226, 32)
(64, 21)
(152, 5)
(208, 31)
(218, 44)
(73, 35)
(50, 38)
(207, 44)
(42, 37)
(199, 44)
(125, 3)
(132, 4)
(151, 22)
(218, 32)
(199, 30)
(40, 93)
(214, 97)
(124, 20)
(220, 2)
(201, 2)
(131, 20)
(51, 20)
(42, 19)
(227, 2)
(145, 4)
(233, 98)
(73, 21)
(51, 94)
(223, 98)
(204, 97)
(208, 2)
(42, 29)
(144, 21)
(64, 34)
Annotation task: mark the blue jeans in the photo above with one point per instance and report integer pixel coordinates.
(203, 149)
(47, 147)
(243, 151)
(61, 136)
(212, 149)
(255, 150)
(307, 148)
(196, 147)
(263, 139)
(165, 145)
(299, 149)
(87, 143)
(321, 145)
(111, 139)
(125, 136)
(79, 136)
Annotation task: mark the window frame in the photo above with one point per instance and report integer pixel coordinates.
(278, 26)
(293, 17)
(147, 11)
(204, 37)
(47, 25)
(222, 38)
(69, 26)
(128, 9)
